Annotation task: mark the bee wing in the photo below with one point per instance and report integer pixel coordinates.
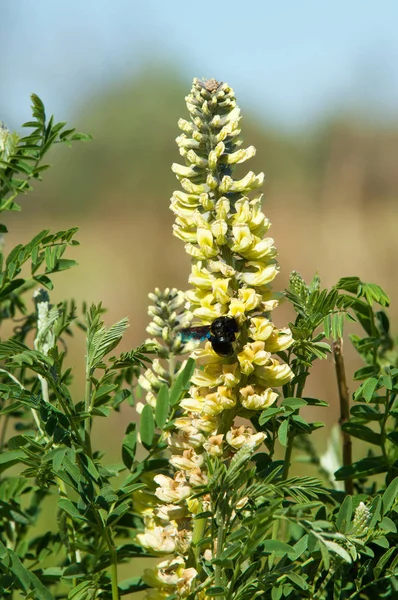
(195, 333)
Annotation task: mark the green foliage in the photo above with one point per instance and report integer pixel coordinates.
(266, 534)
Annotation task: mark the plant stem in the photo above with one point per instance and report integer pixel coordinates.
(113, 558)
(218, 581)
(337, 347)
(288, 455)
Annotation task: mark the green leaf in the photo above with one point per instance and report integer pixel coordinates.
(366, 389)
(162, 406)
(389, 496)
(337, 549)
(294, 403)
(362, 433)
(344, 515)
(216, 591)
(366, 413)
(278, 548)
(283, 432)
(297, 580)
(182, 383)
(388, 525)
(129, 446)
(381, 563)
(131, 585)
(147, 425)
(68, 506)
(363, 468)
(366, 372)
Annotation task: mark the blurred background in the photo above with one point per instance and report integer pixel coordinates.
(318, 87)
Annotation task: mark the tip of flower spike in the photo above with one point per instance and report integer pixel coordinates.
(211, 85)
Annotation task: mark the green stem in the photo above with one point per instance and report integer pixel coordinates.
(199, 526)
(218, 579)
(113, 558)
(288, 454)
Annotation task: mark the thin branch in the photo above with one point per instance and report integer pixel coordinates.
(344, 408)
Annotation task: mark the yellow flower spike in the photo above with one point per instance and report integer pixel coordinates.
(257, 398)
(261, 329)
(263, 274)
(274, 374)
(281, 339)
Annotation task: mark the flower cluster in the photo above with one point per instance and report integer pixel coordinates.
(168, 318)
(233, 265)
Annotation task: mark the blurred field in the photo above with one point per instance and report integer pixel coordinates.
(331, 193)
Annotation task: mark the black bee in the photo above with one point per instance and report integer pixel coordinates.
(221, 334)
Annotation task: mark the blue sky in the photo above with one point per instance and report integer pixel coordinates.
(291, 61)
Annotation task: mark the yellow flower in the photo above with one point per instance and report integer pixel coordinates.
(172, 490)
(256, 398)
(221, 291)
(251, 355)
(187, 461)
(214, 445)
(219, 230)
(279, 340)
(274, 374)
(159, 539)
(217, 402)
(246, 301)
(260, 329)
(242, 236)
(200, 277)
(263, 274)
(244, 436)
